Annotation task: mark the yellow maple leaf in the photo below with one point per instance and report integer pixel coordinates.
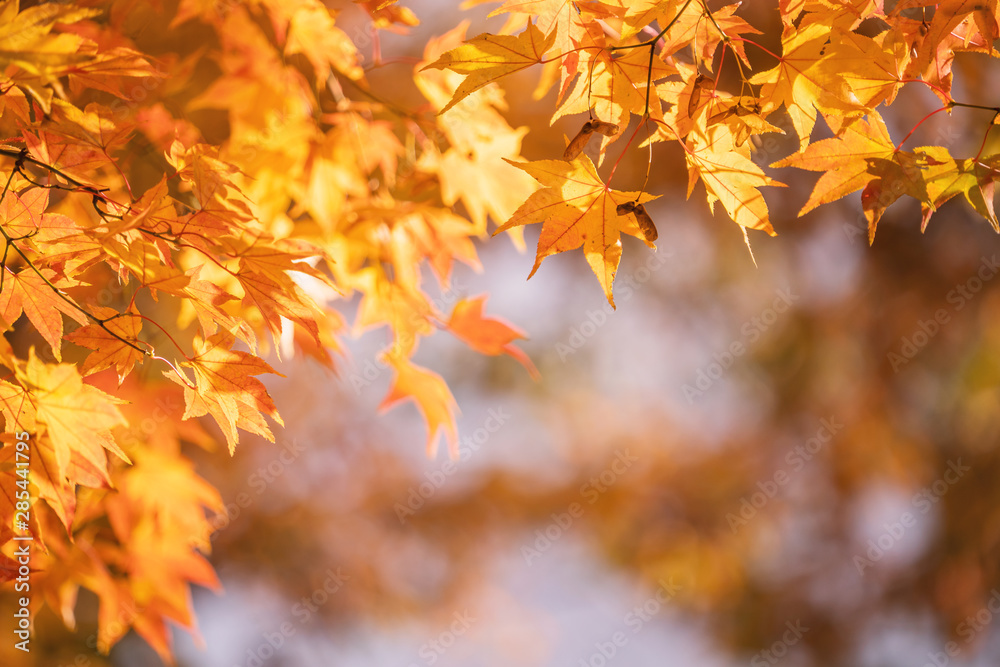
(578, 209)
(400, 305)
(432, 396)
(805, 81)
(945, 177)
(561, 20)
(730, 177)
(471, 170)
(28, 43)
(863, 156)
(76, 416)
(617, 88)
(843, 160)
(487, 58)
(313, 34)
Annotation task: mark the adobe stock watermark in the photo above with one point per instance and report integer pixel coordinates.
(967, 630)
(303, 611)
(432, 649)
(779, 649)
(750, 332)
(469, 445)
(258, 481)
(910, 346)
(597, 318)
(797, 457)
(922, 502)
(591, 490)
(765, 147)
(635, 620)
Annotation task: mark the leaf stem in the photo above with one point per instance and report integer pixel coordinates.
(936, 111)
(986, 136)
(753, 43)
(160, 326)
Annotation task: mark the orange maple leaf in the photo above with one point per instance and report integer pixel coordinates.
(27, 292)
(948, 32)
(487, 335)
(226, 389)
(111, 344)
(432, 396)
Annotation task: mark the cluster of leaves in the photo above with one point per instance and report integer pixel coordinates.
(169, 252)
(661, 62)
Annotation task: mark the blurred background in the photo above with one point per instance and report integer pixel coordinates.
(791, 463)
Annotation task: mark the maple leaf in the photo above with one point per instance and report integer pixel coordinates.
(432, 397)
(58, 487)
(264, 274)
(161, 570)
(154, 210)
(79, 141)
(181, 512)
(386, 14)
(16, 407)
(117, 345)
(471, 170)
(843, 159)
(561, 22)
(641, 13)
(206, 303)
(487, 335)
(161, 535)
(936, 50)
(730, 177)
(404, 308)
(21, 214)
(616, 87)
(109, 71)
(871, 67)
(313, 34)
(945, 177)
(805, 81)
(28, 43)
(226, 389)
(742, 116)
(891, 179)
(487, 58)
(578, 209)
(433, 235)
(208, 176)
(862, 158)
(77, 417)
(28, 292)
(692, 28)
(149, 264)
